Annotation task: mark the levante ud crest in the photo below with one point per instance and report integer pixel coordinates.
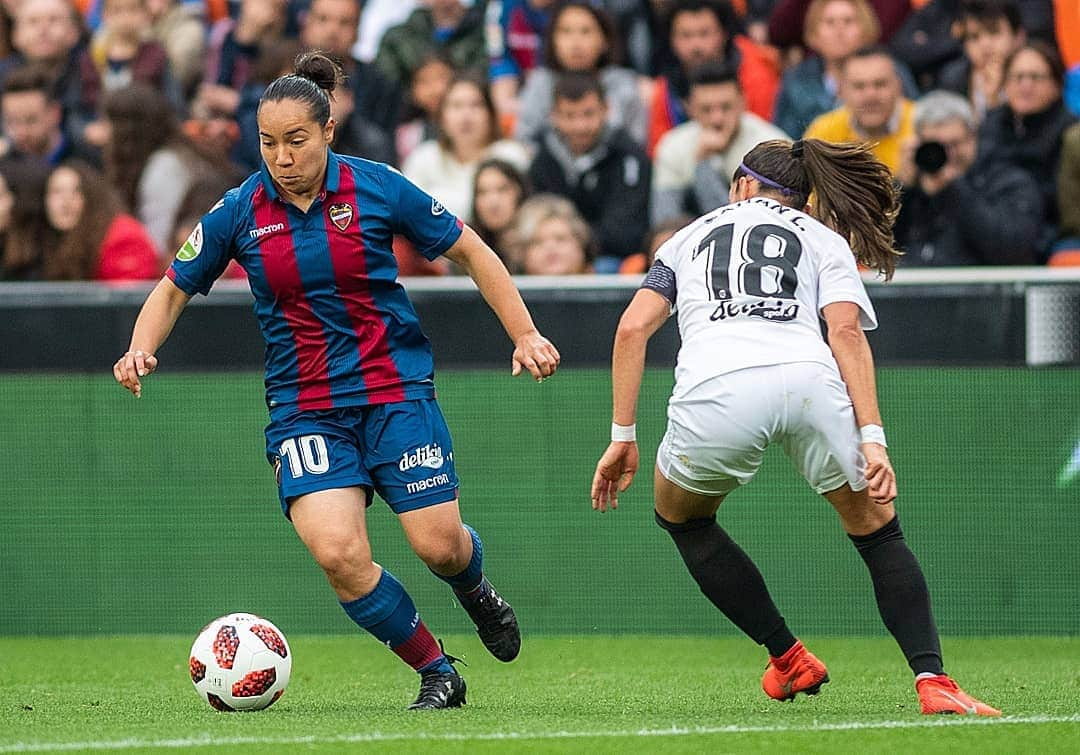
(341, 215)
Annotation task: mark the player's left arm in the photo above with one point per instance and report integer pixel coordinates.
(532, 351)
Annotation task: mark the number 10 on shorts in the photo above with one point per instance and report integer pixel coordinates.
(306, 454)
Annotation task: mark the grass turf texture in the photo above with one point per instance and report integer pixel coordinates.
(573, 693)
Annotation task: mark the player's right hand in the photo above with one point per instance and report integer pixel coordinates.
(131, 366)
(879, 473)
(614, 473)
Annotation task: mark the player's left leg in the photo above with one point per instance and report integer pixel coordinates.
(903, 599)
(454, 553)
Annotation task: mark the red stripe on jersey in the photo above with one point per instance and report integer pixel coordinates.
(382, 381)
(283, 277)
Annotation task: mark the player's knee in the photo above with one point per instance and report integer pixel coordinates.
(444, 553)
(344, 558)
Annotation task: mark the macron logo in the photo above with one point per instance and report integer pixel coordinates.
(429, 456)
(258, 233)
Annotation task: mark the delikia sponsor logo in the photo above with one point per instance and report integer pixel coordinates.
(429, 455)
(258, 233)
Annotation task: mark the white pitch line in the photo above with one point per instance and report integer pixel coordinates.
(675, 731)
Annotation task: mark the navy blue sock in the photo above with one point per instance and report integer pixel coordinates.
(390, 615)
(468, 581)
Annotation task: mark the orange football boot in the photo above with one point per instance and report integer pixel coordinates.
(795, 671)
(939, 694)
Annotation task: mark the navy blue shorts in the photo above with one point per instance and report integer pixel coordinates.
(402, 451)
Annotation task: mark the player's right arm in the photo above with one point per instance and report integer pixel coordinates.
(856, 362)
(153, 325)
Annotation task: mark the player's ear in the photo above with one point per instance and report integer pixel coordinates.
(328, 130)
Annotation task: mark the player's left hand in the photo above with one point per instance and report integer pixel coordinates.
(131, 366)
(536, 354)
(614, 473)
(879, 473)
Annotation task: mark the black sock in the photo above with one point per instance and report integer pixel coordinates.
(902, 595)
(730, 580)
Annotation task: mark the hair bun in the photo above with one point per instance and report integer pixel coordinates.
(319, 68)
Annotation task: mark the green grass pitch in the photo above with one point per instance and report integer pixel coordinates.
(595, 694)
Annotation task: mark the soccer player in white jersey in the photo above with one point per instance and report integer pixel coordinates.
(751, 282)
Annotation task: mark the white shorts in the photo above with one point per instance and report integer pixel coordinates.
(718, 431)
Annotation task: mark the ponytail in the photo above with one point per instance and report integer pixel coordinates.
(848, 189)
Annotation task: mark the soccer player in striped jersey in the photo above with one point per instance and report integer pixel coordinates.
(751, 282)
(349, 374)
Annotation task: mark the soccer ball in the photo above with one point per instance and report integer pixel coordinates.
(240, 662)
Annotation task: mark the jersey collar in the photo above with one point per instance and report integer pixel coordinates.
(333, 176)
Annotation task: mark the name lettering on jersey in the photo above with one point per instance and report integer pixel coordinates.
(258, 233)
(193, 246)
(782, 210)
(776, 310)
(341, 215)
(429, 455)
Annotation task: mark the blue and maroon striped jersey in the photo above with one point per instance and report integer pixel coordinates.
(339, 328)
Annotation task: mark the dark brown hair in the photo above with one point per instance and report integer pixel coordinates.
(514, 176)
(478, 81)
(21, 245)
(1047, 53)
(74, 255)
(849, 190)
(612, 56)
(315, 76)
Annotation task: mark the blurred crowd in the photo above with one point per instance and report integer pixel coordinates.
(575, 136)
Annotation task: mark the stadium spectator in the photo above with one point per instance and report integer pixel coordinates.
(514, 31)
(419, 119)
(657, 235)
(123, 54)
(47, 32)
(447, 26)
(695, 161)
(468, 133)
(376, 17)
(32, 118)
(927, 41)
(955, 210)
(178, 26)
(834, 30)
(991, 32)
(1027, 130)
(874, 108)
(700, 31)
(581, 38)
(386, 430)
(754, 370)
(603, 171)
(788, 19)
(148, 160)
(89, 236)
(498, 191)
(1068, 189)
(22, 217)
(331, 26)
(554, 239)
(232, 50)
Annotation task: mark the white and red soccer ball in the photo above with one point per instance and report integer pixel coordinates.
(240, 662)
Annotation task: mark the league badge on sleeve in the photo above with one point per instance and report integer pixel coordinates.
(193, 246)
(341, 215)
(436, 208)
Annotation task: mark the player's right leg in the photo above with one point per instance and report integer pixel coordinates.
(732, 582)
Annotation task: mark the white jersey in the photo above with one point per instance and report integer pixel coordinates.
(751, 279)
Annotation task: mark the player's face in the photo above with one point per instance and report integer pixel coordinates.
(989, 43)
(697, 37)
(30, 121)
(1029, 84)
(332, 25)
(294, 146)
(838, 32)
(497, 199)
(871, 90)
(717, 107)
(554, 250)
(63, 199)
(578, 40)
(580, 123)
(959, 142)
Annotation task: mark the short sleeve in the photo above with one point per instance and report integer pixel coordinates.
(661, 279)
(204, 256)
(838, 280)
(419, 216)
